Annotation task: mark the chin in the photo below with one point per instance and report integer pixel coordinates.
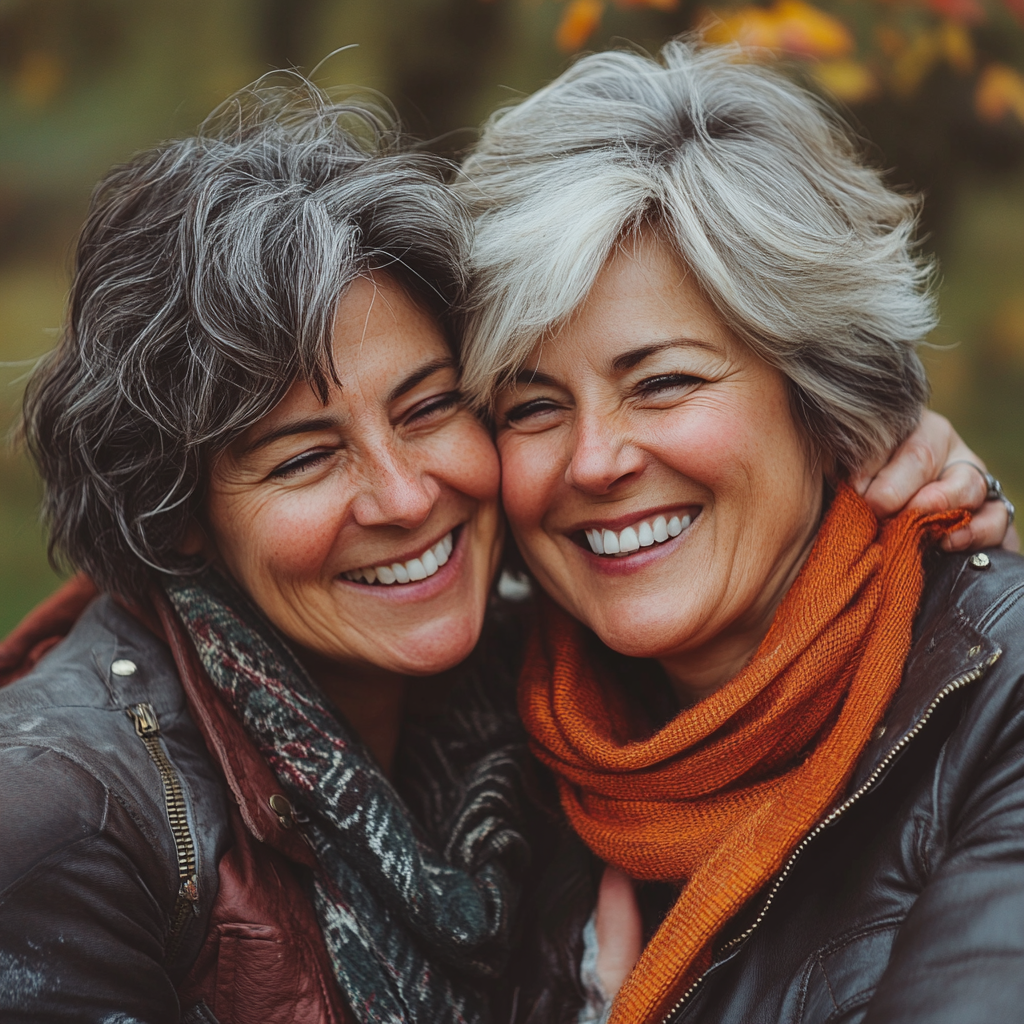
(439, 646)
(636, 635)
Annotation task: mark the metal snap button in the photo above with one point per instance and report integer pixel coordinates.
(980, 560)
(123, 667)
(282, 808)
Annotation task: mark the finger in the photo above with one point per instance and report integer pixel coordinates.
(1012, 540)
(961, 486)
(913, 465)
(619, 929)
(861, 481)
(986, 529)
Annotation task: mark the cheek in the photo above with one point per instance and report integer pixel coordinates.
(468, 462)
(527, 470)
(743, 445)
(284, 536)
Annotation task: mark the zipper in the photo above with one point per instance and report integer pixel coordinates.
(832, 817)
(186, 906)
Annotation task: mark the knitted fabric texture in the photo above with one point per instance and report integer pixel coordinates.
(717, 799)
(416, 909)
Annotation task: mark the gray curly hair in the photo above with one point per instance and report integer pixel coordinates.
(207, 279)
(758, 187)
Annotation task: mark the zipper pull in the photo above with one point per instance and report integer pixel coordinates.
(145, 719)
(189, 892)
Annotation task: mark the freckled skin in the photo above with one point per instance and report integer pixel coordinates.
(383, 479)
(717, 436)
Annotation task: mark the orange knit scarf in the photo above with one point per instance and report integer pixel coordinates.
(718, 798)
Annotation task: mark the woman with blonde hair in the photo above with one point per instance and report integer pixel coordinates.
(794, 732)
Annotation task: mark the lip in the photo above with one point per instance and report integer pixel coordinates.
(422, 590)
(405, 556)
(632, 518)
(639, 560)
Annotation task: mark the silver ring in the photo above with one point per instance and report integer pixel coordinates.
(994, 489)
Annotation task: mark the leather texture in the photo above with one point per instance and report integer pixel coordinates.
(88, 865)
(907, 906)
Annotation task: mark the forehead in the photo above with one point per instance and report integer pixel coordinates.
(380, 327)
(381, 336)
(643, 296)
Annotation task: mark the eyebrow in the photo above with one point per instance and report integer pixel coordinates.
(309, 425)
(637, 355)
(526, 376)
(419, 376)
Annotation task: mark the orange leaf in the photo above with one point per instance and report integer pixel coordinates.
(578, 23)
(792, 26)
(810, 32)
(1000, 91)
(751, 26)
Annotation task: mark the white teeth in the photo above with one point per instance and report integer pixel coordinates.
(632, 538)
(406, 572)
(628, 540)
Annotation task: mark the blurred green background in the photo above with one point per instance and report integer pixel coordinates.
(84, 83)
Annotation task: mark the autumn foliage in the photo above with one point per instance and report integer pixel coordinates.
(855, 51)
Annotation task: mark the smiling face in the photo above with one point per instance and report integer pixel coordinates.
(367, 529)
(654, 477)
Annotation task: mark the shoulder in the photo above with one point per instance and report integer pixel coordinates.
(77, 781)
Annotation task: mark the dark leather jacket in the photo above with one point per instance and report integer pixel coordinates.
(906, 903)
(146, 875)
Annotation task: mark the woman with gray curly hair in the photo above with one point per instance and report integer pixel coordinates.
(253, 443)
(791, 732)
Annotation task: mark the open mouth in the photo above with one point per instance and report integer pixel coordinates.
(644, 534)
(415, 569)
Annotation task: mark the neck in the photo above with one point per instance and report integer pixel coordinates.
(372, 703)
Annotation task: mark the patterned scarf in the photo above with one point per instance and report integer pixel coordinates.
(718, 798)
(416, 914)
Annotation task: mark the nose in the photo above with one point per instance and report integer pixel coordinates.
(395, 491)
(603, 454)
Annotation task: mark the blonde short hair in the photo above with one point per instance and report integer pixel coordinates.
(804, 251)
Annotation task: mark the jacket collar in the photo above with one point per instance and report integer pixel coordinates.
(264, 808)
(948, 649)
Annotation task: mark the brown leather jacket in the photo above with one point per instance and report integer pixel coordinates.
(106, 914)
